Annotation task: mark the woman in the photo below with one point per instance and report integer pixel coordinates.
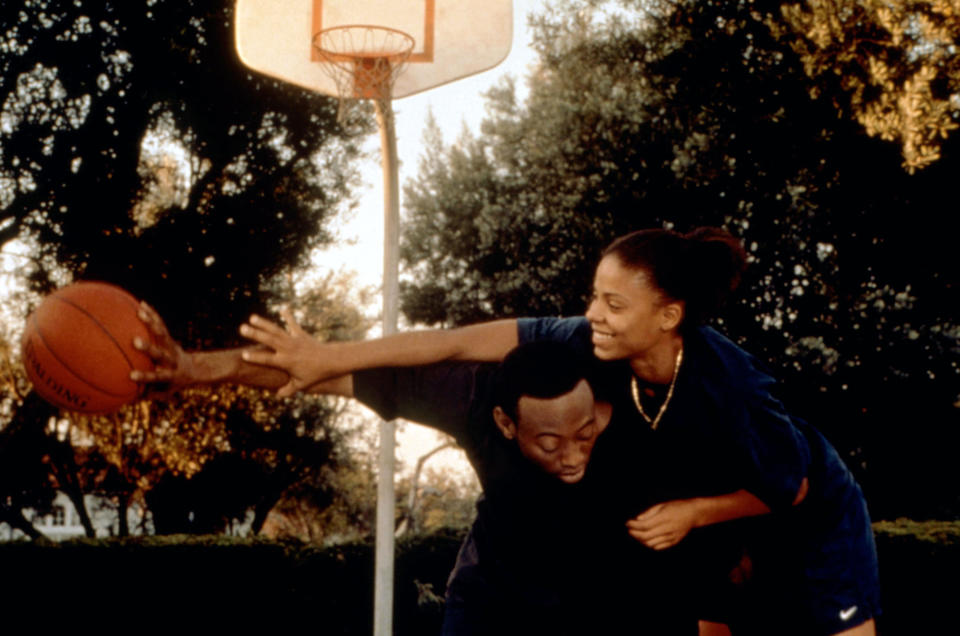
(699, 438)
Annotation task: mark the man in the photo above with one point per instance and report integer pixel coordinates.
(528, 426)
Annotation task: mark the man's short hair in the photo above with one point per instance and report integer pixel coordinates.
(540, 369)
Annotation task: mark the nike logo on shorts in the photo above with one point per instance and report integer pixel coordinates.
(848, 613)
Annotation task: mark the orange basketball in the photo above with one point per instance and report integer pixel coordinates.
(78, 348)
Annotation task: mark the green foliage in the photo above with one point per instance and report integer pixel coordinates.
(679, 114)
(918, 570)
(894, 64)
(937, 532)
(138, 149)
(25, 477)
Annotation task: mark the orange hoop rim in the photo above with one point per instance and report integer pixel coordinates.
(364, 61)
(393, 55)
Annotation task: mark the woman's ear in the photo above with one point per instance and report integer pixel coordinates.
(671, 315)
(505, 423)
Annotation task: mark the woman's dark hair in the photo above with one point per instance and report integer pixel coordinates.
(700, 268)
(539, 369)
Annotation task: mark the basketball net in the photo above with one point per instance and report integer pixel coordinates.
(364, 61)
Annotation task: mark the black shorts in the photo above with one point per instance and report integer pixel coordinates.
(816, 583)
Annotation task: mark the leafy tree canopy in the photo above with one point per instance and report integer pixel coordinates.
(895, 65)
(679, 114)
(136, 148)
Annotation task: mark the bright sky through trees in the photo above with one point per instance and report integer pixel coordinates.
(453, 105)
(360, 244)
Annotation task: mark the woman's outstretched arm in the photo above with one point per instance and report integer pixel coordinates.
(307, 360)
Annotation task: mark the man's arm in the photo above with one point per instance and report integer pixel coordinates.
(438, 395)
(342, 386)
(175, 368)
(443, 396)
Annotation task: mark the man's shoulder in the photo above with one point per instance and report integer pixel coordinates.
(449, 396)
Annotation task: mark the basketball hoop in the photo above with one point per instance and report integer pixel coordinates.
(363, 61)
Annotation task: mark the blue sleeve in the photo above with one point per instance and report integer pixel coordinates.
(771, 456)
(572, 331)
(773, 453)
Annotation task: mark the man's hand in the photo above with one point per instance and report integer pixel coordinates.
(664, 525)
(172, 365)
(289, 349)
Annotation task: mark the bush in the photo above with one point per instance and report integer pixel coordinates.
(919, 562)
(184, 580)
(227, 581)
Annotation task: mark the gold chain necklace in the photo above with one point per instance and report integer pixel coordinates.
(635, 390)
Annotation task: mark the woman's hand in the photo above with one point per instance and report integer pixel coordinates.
(289, 349)
(664, 525)
(172, 365)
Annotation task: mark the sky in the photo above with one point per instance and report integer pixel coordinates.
(360, 244)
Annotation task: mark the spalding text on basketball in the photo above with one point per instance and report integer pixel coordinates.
(65, 395)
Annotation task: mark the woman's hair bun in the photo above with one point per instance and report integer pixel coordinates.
(719, 251)
(700, 268)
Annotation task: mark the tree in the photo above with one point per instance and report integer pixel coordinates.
(25, 480)
(35, 461)
(895, 63)
(126, 454)
(678, 114)
(436, 497)
(206, 458)
(139, 150)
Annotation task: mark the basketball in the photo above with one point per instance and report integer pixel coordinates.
(77, 348)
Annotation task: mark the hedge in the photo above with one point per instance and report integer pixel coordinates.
(233, 582)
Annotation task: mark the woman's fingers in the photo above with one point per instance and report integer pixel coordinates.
(655, 541)
(293, 328)
(287, 347)
(267, 325)
(262, 331)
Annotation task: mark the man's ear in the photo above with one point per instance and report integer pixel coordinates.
(672, 315)
(505, 423)
(602, 411)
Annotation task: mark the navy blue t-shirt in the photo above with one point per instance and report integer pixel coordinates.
(723, 431)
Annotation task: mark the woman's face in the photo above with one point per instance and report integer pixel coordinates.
(629, 316)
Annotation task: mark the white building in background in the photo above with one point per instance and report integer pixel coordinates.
(64, 522)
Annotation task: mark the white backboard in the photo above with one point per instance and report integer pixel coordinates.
(452, 38)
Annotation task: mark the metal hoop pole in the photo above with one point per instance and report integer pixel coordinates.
(386, 505)
(364, 60)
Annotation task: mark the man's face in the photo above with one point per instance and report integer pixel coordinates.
(558, 434)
